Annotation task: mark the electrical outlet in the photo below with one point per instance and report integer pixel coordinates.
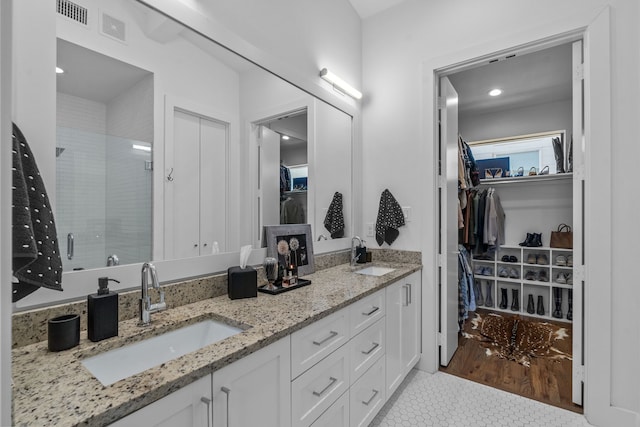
(406, 211)
(370, 229)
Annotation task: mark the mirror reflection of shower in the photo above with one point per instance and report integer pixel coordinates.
(103, 158)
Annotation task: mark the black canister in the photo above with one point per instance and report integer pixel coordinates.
(64, 332)
(361, 254)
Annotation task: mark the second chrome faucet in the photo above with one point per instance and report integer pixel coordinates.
(146, 308)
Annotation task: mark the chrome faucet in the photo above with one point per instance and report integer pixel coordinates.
(354, 257)
(146, 308)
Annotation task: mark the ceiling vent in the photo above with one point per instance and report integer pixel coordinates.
(113, 28)
(73, 11)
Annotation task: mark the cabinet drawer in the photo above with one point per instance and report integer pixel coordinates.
(366, 348)
(367, 395)
(316, 341)
(313, 392)
(337, 415)
(366, 311)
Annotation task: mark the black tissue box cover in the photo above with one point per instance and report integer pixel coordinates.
(242, 282)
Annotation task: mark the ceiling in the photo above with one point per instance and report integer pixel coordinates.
(530, 79)
(367, 8)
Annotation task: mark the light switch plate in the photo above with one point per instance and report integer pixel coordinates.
(406, 211)
(370, 229)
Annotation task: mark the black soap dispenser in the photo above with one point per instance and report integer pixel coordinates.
(102, 312)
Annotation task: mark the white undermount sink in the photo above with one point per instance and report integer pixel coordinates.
(375, 271)
(120, 363)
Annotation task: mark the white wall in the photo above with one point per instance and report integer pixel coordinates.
(398, 126)
(517, 121)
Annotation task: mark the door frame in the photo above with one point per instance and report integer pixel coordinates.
(595, 29)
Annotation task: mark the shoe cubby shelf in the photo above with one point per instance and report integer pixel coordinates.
(487, 274)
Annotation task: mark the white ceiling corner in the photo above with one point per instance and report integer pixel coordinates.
(367, 8)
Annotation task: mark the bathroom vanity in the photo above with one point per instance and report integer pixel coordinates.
(335, 350)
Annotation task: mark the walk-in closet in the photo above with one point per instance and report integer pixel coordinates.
(511, 190)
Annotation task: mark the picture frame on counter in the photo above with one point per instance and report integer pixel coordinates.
(291, 245)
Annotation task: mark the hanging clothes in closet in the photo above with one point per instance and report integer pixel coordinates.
(484, 219)
(466, 288)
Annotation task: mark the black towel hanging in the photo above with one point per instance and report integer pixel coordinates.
(390, 218)
(36, 257)
(334, 220)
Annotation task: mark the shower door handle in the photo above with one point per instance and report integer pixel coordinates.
(70, 246)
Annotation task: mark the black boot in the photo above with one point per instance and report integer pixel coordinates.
(503, 299)
(530, 305)
(488, 301)
(557, 303)
(540, 309)
(515, 300)
(477, 290)
(570, 156)
(570, 301)
(557, 151)
(527, 241)
(536, 240)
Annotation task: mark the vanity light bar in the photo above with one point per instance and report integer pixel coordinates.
(340, 84)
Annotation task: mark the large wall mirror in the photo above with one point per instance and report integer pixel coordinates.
(157, 137)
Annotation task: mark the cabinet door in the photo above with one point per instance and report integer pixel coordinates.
(367, 395)
(410, 329)
(185, 186)
(189, 406)
(255, 390)
(395, 300)
(337, 415)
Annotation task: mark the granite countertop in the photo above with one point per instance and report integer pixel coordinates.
(56, 389)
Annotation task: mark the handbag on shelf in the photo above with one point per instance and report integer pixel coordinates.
(562, 237)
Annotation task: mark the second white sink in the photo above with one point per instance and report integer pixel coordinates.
(375, 271)
(120, 363)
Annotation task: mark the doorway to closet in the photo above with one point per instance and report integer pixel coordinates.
(511, 301)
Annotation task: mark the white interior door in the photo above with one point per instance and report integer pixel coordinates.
(448, 221)
(578, 208)
(213, 185)
(269, 146)
(186, 186)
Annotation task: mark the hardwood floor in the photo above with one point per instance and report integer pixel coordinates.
(547, 381)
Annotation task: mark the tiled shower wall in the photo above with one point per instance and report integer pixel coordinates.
(104, 193)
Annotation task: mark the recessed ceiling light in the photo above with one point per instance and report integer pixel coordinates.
(495, 92)
(59, 70)
(285, 137)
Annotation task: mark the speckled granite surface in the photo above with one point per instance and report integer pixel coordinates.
(55, 389)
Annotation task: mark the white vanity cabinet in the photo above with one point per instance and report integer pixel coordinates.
(403, 329)
(255, 390)
(189, 406)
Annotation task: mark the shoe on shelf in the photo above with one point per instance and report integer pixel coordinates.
(527, 240)
(532, 259)
(570, 261)
(543, 276)
(506, 258)
(514, 274)
(561, 260)
(569, 277)
(543, 259)
(530, 275)
(532, 171)
(561, 278)
(512, 258)
(536, 241)
(544, 171)
(503, 272)
(487, 271)
(479, 270)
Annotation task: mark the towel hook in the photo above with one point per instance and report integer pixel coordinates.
(169, 177)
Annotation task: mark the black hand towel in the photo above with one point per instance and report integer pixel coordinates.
(334, 221)
(390, 218)
(36, 257)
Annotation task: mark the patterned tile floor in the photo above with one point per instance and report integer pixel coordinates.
(443, 400)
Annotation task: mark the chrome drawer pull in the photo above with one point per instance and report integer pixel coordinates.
(375, 345)
(373, 310)
(331, 382)
(226, 391)
(375, 393)
(331, 335)
(207, 402)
